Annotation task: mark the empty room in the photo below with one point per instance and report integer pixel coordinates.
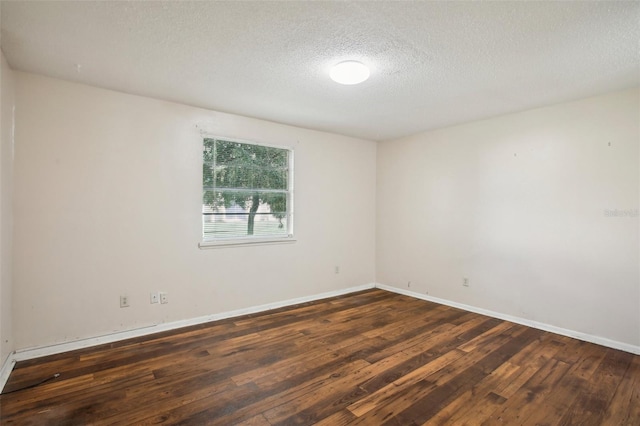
(320, 212)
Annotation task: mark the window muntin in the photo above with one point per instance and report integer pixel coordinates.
(247, 191)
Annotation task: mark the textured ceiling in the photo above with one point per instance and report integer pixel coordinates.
(432, 64)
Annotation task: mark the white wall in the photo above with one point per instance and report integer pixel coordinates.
(6, 170)
(518, 204)
(108, 200)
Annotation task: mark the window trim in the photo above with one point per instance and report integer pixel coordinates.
(252, 240)
(239, 242)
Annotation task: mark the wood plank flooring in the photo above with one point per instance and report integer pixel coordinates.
(368, 358)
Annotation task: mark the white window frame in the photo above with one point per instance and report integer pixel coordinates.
(252, 240)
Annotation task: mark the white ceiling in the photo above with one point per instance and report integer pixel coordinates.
(432, 64)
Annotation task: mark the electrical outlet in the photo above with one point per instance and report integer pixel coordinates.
(155, 298)
(409, 284)
(164, 298)
(465, 282)
(124, 301)
(337, 270)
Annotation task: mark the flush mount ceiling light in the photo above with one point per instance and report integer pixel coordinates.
(349, 72)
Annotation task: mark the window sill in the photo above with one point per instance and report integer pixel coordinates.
(245, 243)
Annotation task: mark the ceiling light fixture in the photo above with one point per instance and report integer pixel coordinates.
(349, 72)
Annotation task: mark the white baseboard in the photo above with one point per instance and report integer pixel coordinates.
(6, 369)
(523, 321)
(36, 352)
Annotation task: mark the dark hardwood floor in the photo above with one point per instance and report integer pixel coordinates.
(370, 358)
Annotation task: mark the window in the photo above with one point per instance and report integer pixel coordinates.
(247, 191)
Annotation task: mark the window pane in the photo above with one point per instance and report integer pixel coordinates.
(247, 176)
(239, 214)
(229, 153)
(208, 149)
(245, 190)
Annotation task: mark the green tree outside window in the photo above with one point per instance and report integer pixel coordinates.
(246, 190)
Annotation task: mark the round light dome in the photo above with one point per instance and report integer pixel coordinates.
(349, 72)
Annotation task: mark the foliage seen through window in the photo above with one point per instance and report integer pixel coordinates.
(246, 190)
